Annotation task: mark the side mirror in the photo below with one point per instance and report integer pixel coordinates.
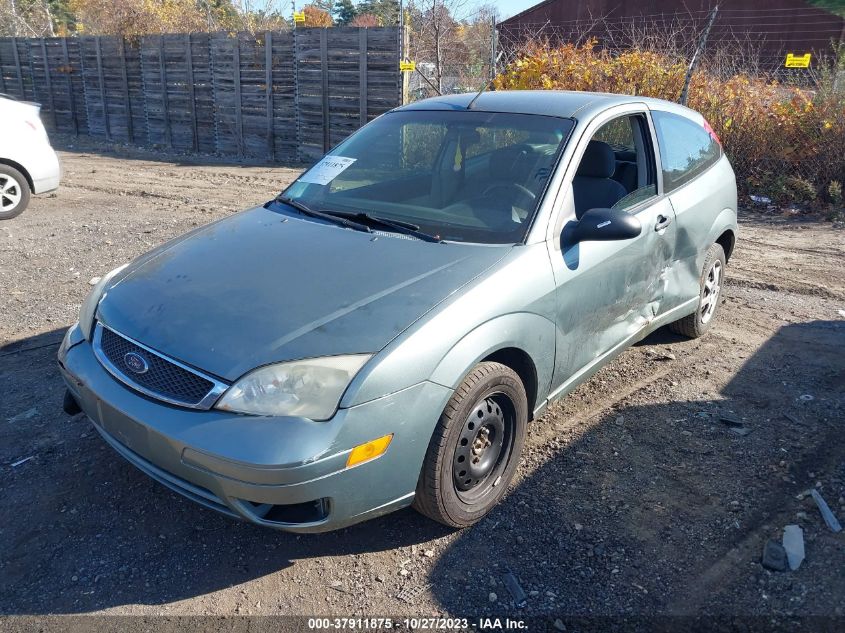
(603, 225)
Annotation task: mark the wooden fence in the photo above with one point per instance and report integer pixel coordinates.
(283, 96)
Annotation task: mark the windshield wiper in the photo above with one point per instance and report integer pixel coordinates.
(399, 226)
(330, 217)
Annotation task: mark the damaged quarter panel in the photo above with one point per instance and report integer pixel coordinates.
(700, 183)
(704, 212)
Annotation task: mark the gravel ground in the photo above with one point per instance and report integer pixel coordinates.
(633, 497)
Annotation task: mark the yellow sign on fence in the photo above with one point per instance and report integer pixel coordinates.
(797, 61)
(407, 67)
(299, 17)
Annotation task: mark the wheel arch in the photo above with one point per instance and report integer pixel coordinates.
(727, 240)
(523, 341)
(20, 168)
(521, 362)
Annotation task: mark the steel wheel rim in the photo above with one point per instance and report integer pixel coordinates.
(10, 192)
(483, 447)
(710, 292)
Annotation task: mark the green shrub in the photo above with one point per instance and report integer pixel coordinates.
(834, 193)
(801, 190)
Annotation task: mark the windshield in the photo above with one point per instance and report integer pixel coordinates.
(457, 175)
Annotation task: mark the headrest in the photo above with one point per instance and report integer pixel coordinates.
(599, 161)
(509, 164)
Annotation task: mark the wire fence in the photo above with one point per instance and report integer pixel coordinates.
(755, 41)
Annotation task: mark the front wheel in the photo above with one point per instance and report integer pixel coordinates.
(710, 295)
(14, 192)
(475, 448)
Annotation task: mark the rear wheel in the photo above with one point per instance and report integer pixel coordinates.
(712, 279)
(14, 192)
(475, 448)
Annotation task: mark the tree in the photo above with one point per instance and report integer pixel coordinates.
(315, 16)
(344, 12)
(436, 34)
(387, 11)
(253, 16)
(132, 18)
(27, 18)
(452, 38)
(323, 5)
(477, 34)
(365, 19)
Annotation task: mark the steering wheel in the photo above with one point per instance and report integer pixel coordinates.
(513, 188)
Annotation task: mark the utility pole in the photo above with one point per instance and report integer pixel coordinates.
(698, 49)
(402, 30)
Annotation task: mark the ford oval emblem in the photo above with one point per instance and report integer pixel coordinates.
(136, 363)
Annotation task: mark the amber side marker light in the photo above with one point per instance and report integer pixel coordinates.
(368, 451)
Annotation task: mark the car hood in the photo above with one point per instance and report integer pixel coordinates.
(261, 287)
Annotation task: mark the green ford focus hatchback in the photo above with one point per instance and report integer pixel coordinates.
(384, 331)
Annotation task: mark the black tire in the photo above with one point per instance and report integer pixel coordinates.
(490, 405)
(15, 184)
(697, 323)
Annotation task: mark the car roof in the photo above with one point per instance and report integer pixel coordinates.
(560, 103)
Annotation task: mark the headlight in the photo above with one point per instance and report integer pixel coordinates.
(308, 388)
(89, 306)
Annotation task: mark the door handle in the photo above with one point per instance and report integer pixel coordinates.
(662, 222)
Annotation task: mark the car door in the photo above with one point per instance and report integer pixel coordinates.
(607, 292)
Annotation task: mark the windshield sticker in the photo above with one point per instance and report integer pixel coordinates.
(327, 170)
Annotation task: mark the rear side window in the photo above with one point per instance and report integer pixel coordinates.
(686, 148)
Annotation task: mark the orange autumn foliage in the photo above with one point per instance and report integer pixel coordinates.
(773, 133)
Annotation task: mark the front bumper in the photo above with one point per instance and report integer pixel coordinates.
(286, 473)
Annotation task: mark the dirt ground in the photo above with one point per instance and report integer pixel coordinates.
(633, 498)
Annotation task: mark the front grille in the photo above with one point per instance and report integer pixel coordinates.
(158, 376)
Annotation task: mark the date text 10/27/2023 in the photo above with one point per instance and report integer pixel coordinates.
(417, 624)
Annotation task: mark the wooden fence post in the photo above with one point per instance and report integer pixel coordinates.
(130, 136)
(296, 111)
(236, 69)
(268, 64)
(48, 83)
(70, 91)
(29, 55)
(85, 100)
(189, 58)
(362, 75)
(17, 58)
(2, 78)
(163, 74)
(103, 87)
(324, 72)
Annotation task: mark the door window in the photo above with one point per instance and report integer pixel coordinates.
(686, 148)
(618, 168)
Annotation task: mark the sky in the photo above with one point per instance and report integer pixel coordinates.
(508, 8)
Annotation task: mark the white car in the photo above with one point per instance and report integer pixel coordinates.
(28, 163)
